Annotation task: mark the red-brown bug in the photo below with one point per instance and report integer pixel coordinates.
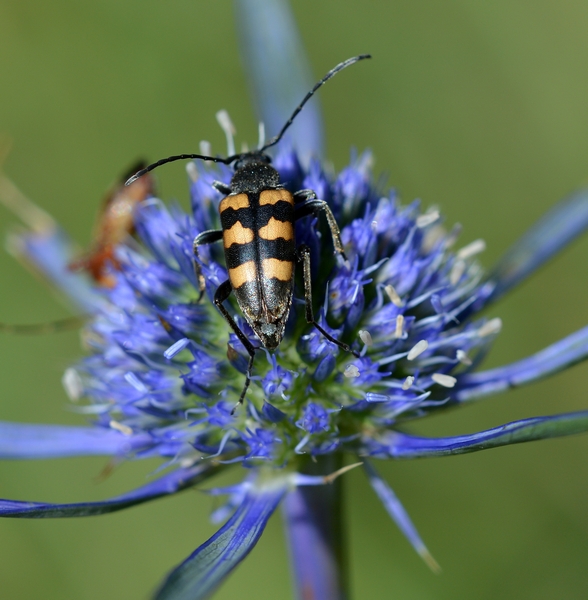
(114, 223)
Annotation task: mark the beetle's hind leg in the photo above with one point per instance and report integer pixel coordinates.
(206, 237)
(222, 293)
(304, 256)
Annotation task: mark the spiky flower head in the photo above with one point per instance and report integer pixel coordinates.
(163, 371)
(168, 369)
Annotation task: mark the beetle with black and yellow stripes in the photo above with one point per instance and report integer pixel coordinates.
(257, 217)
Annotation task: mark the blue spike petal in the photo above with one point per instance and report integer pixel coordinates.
(553, 232)
(33, 441)
(170, 483)
(402, 445)
(550, 360)
(398, 513)
(205, 569)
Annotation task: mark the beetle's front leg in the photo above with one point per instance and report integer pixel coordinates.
(221, 187)
(222, 293)
(312, 205)
(303, 254)
(303, 195)
(206, 237)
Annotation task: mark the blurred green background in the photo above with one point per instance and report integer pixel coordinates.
(480, 108)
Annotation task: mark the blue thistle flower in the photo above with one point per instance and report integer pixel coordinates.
(163, 372)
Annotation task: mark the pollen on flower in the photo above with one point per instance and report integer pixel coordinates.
(491, 327)
(192, 171)
(457, 271)
(399, 328)
(427, 219)
(393, 295)
(475, 247)
(445, 380)
(72, 383)
(417, 349)
(463, 358)
(365, 337)
(351, 371)
(120, 427)
(407, 384)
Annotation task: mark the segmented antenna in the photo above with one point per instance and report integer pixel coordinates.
(163, 161)
(308, 96)
(273, 141)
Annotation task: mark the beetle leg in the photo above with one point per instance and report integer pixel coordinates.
(221, 187)
(222, 293)
(304, 256)
(304, 195)
(313, 205)
(206, 237)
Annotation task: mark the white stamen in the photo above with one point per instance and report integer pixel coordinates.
(351, 371)
(444, 380)
(393, 295)
(244, 148)
(408, 382)
(365, 337)
(330, 478)
(261, 130)
(491, 327)
(374, 226)
(463, 358)
(222, 116)
(125, 429)
(205, 148)
(457, 270)
(472, 249)
(417, 349)
(192, 171)
(427, 219)
(399, 327)
(72, 383)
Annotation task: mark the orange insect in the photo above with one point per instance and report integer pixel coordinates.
(115, 222)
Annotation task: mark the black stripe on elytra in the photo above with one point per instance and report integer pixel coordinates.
(279, 248)
(238, 254)
(230, 216)
(282, 211)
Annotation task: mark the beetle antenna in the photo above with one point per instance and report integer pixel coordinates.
(309, 95)
(169, 159)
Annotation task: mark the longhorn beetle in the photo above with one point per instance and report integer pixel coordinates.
(257, 217)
